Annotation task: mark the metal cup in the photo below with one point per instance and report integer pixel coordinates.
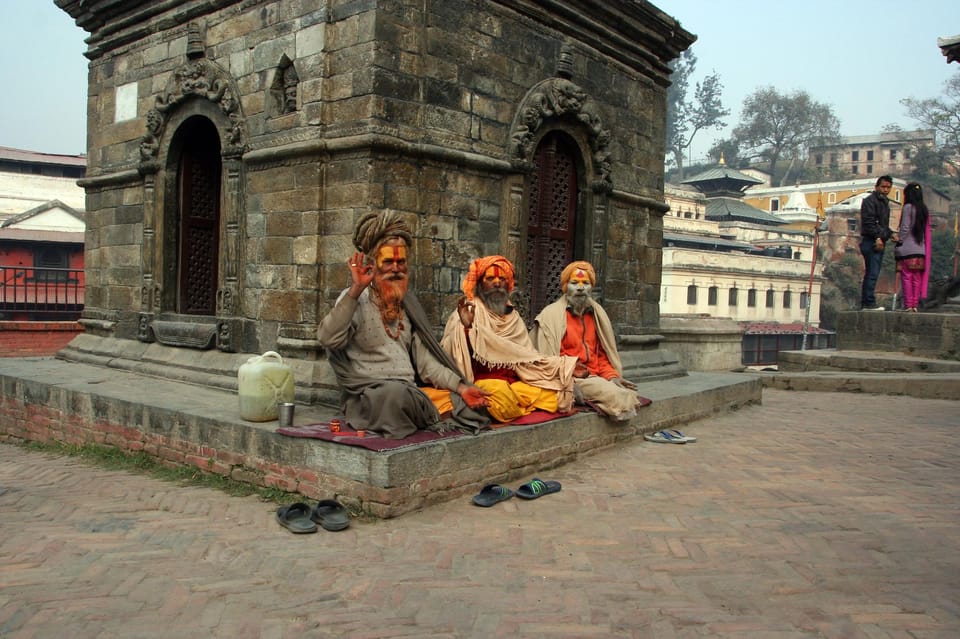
(286, 413)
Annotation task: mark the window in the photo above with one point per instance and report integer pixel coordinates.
(712, 296)
(774, 204)
(834, 159)
(853, 225)
(752, 297)
(688, 215)
(818, 159)
(787, 299)
(906, 154)
(853, 169)
(831, 198)
(803, 300)
(855, 156)
(869, 169)
(893, 154)
(732, 297)
(51, 258)
(869, 156)
(769, 298)
(692, 294)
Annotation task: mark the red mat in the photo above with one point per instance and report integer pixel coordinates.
(369, 441)
(348, 436)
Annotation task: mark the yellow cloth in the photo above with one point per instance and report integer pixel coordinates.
(510, 401)
(440, 399)
(503, 342)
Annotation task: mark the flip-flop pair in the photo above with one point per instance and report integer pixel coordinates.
(299, 518)
(669, 436)
(495, 493)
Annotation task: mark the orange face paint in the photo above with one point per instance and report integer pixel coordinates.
(390, 255)
(580, 277)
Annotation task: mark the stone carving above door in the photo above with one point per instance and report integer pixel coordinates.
(198, 77)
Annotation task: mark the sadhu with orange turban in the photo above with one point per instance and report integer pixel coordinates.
(577, 326)
(488, 340)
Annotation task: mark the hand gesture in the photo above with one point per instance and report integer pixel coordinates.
(623, 383)
(474, 396)
(467, 311)
(361, 274)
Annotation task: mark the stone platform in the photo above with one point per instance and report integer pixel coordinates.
(47, 399)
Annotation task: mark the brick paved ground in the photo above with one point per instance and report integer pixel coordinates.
(815, 515)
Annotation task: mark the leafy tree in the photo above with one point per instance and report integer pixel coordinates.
(774, 126)
(687, 117)
(943, 116)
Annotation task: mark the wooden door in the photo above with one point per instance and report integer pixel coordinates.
(552, 219)
(199, 223)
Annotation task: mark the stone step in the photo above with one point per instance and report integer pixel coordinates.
(46, 399)
(868, 361)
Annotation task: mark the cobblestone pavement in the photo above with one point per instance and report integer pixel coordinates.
(822, 515)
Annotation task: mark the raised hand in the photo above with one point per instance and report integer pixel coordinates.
(361, 274)
(467, 311)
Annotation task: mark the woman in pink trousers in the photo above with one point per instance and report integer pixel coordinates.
(913, 249)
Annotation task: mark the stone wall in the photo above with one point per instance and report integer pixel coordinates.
(704, 343)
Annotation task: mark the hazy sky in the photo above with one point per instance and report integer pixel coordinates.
(859, 56)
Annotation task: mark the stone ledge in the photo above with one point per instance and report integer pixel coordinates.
(45, 399)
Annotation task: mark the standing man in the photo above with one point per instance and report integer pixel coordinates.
(874, 233)
(577, 325)
(488, 340)
(380, 344)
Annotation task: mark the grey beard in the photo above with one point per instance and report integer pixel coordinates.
(578, 303)
(496, 301)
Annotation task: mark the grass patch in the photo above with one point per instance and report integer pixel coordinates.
(111, 458)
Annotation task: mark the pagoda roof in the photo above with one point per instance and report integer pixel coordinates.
(731, 208)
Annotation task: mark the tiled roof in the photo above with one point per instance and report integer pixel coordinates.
(725, 208)
(33, 157)
(776, 328)
(722, 173)
(707, 241)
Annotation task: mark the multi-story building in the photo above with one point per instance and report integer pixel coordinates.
(726, 259)
(41, 251)
(871, 155)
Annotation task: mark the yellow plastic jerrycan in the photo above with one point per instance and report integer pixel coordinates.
(263, 382)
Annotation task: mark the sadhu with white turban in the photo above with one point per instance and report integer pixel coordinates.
(488, 340)
(576, 325)
(380, 344)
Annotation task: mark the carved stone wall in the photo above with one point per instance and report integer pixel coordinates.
(328, 110)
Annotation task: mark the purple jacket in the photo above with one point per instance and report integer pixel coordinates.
(908, 245)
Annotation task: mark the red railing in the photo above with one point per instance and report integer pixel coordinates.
(31, 293)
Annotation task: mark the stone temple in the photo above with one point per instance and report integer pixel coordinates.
(232, 144)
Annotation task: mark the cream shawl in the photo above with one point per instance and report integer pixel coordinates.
(503, 341)
(551, 325)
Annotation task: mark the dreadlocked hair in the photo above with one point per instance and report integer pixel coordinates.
(376, 227)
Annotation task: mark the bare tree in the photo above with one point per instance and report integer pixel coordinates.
(943, 116)
(686, 117)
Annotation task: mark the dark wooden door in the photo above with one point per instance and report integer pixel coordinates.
(552, 219)
(199, 238)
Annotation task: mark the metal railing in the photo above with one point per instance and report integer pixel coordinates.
(32, 293)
